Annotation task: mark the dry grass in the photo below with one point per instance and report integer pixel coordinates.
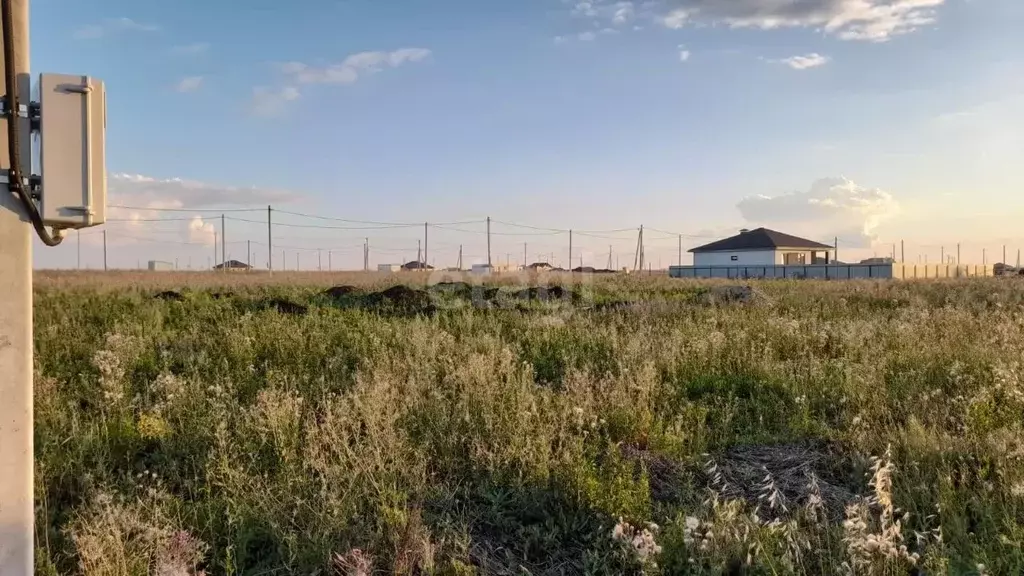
(847, 427)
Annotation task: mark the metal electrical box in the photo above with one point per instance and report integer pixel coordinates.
(72, 156)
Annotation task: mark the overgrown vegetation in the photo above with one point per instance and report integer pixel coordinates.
(823, 428)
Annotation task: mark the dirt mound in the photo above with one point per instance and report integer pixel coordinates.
(545, 294)
(339, 291)
(169, 295)
(726, 295)
(403, 299)
(284, 306)
(460, 289)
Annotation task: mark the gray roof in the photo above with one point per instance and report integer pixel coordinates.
(760, 239)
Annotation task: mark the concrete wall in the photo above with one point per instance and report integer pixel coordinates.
(743, 257)
(834, 272)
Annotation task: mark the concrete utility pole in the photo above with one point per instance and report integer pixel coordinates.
(78, 239)
(903, 254)
(957, 253)
(319, 261)
(16, 449)
(248, 254)
(270, 245)
(488, 241)
(570, 250)
(330, 266)
(223, 252)
(104, 250)
(426, 243)
(215, 248)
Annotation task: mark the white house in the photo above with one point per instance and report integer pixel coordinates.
(761, 247)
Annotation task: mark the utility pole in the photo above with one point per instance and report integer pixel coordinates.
(16, 424)
(680, 250)
(609, 256)
(426, 244)
(223, 252)
(330, 266)
(942, 254)
(419, 252)
(1004, 253)
(893, 251)
(319, 261)
(835, 248)
(215, 248)
(270, 245)
(903, 254)
(984, 258)
(1018, 260)
(104, 250)
(570, 250)
(296, 260)
(957, 253)
(488, 242)
(636, 256)
(248, 254)
(78, 238)
(460, 257)
(366, 254)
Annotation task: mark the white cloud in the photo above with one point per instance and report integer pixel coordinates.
(812, 60)
(148, 192)
(94, 31)
(352, 67)
(871, 20)
(189, 84)
(271, 101)
(560, 39)
(200, 231)
(676, 19)
(832, 207)
(137, 201)
(624, 12)
(194, 48)
(586, 36)
(684, 54)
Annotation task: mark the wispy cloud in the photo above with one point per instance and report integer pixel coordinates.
(272, 101)
(189, 84)
(148, 196)
(193, 48)
(353, 67)
(110, 26)
(869, 20)
(684, 54)
(805, 61)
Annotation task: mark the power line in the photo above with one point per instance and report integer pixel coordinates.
(217, 210)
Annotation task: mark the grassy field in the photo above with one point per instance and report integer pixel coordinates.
(645, 427)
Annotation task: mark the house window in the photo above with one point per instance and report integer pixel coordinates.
(734, 258)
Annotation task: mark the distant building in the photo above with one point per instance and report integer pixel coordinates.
(160, 266)
(414, 265)
(885, 260)
(233, 265)
(760, 247)
(540, 266)
(388, 267)
(490, 268)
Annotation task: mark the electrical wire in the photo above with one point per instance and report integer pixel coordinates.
(15, 181)
(217, 210)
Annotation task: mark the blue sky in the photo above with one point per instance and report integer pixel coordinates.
(870, 120)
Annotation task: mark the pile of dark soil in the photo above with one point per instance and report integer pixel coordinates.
(169, 295)
(284, 306)
(401, 299)
(337, 292)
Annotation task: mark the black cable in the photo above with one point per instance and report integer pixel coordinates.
(14, 179)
